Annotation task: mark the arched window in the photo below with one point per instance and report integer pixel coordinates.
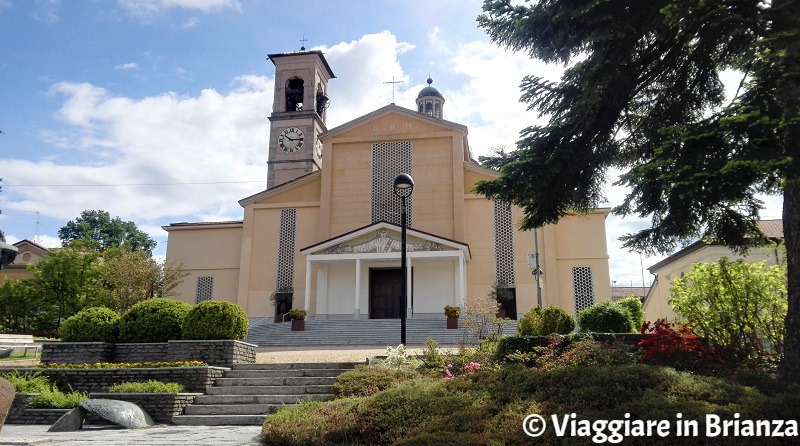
(294, 94)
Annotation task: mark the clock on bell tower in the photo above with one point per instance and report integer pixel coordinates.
(298, 115)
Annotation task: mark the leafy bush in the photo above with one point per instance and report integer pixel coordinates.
(519, 343)
(431, 357)
(56, 399)
(95, 324)
(297, 314)
(583, 352)
(216, 319)
(544, 322)
(451, 311)
(633, 305)
(674, 345)
(150, 386)
(605, 317)
(486, 408)
(367, 380)
(398, 359)
(154, 320)
(28, 382)
(738, 307)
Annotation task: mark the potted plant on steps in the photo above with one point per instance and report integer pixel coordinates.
(282, 299)
(452, 314)
(298, 318)
(501, 293)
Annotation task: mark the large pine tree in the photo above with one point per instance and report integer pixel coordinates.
(643, 94)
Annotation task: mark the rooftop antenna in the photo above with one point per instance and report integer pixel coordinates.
(36, 231)
(393, 82)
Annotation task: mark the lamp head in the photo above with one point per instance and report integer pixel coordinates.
(403, 185)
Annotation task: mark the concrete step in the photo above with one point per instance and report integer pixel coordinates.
(288, 373)
(219, 420)
(260, 399)
(296, 366)
(233, 409)
(269, 390)
(278, 381)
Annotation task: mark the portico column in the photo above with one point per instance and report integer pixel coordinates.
(410, 310)
(307, 304)
(357, 307)
(462, 281)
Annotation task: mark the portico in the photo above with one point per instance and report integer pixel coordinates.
(346, 282)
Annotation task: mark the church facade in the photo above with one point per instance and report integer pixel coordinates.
(327, 227)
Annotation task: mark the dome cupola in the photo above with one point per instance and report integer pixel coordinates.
(430, 101)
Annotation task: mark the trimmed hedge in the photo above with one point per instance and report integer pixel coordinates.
(216, 319)
(605, 317)
(543, 322)
(153, 320)
(95, 324)
(522, 343)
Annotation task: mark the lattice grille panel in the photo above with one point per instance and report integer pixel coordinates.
(286, 248)
(388, 160)
(504, 244)
(205, 289)
(583, 286)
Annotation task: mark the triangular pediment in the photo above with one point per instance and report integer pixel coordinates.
(383, 237)
(392, 121)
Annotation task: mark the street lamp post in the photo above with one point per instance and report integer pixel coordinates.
(403, 188)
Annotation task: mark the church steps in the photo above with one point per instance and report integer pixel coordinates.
(248, 392)
(275, 381)
(353, 333)
(270, 390)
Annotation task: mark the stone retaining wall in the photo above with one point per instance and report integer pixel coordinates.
(20, 415)
(194, 379)
(221, 353)
(160, 406)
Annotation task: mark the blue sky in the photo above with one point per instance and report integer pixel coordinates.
(156, 110)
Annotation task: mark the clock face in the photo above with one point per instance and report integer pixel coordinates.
(319, 149)
(291, 139)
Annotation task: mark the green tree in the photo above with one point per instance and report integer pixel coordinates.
(133, 276)
(736, 306)
(19, 306)
(66, 281)
(96, 230)
(643, 94)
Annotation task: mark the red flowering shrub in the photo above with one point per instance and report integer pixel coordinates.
(674, 345)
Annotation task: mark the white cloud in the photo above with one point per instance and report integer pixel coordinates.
(127, 66)
(435, 42)
(146, 7)
(361, 67)
(47, 11)
(191, 23)
(135, 150)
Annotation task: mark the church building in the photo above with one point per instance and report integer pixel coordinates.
(327, 226)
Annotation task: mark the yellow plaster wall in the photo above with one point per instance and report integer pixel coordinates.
(211, 252)
(433, 186)
(263, 263)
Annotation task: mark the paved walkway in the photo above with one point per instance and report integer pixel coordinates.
(161, 435)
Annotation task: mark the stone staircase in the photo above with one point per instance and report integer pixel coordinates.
(353, 333)
(247, 392)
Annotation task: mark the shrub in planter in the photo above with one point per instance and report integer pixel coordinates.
(216, 319)
(450, 311)
(297, 315)
(547, 321)
(150, 386)
(153, 320)
(605, 317)
(95, 324)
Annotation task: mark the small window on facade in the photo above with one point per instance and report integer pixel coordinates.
(205, 289)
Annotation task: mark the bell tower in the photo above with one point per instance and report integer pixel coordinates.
(298, 115)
